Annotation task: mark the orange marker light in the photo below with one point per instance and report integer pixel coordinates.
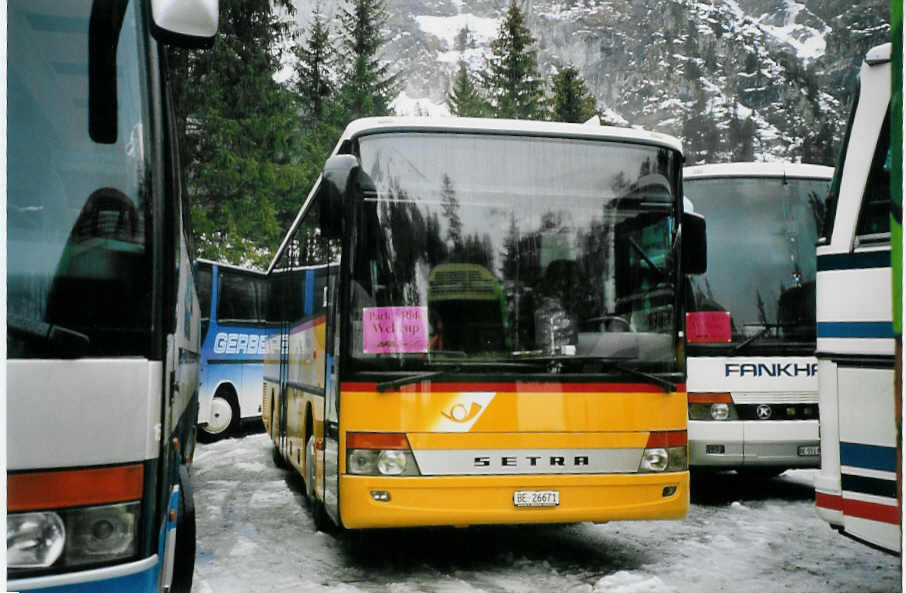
(69, 488)
(710, 398)
(667, 438)
(376, 440)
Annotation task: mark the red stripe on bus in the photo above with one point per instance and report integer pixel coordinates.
(518, 387)
(870, 510)
(829, 501)
(69, 488)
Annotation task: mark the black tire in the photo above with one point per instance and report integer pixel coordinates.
(184, 555)
(278, 458)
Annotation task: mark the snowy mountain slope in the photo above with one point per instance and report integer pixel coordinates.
(736, 79)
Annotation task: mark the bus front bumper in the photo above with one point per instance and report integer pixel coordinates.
(135, 577)
(478, 500)
(754, 443)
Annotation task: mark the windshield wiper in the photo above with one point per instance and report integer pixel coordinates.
(63, 339)
(751, 339)
(615, 364)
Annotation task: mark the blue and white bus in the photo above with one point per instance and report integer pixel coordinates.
(856, 490)
(102, 314)
(235, 338)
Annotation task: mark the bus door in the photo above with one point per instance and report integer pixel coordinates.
(332, 396)
(280, 429)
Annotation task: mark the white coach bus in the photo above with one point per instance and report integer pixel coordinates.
(750, 332)
(856, 491)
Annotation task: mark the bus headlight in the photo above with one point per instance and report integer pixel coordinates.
(34, 540)
(87, 535)
(362, 461)
(392, 463)
(102, 533)
(663, 459)
(654, 460)
(379, 454)
(720, 411)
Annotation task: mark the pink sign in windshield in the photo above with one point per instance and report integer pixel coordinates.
(388, 330)
(708, 326)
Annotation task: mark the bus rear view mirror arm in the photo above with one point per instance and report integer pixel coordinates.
(694, 244)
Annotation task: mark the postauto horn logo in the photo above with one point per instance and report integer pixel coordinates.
(458, 412)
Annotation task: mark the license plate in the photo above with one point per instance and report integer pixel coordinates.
(809, 450)
(536, 498)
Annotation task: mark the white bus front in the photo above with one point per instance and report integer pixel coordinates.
(750, 332)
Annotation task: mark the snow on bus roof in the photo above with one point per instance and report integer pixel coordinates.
(373, 125)
(775, 169)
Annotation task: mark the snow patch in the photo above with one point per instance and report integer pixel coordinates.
(483, 30)
(420, 107)
(631, 582)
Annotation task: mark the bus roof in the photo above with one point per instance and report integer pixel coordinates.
(777, 169)
(592, 131)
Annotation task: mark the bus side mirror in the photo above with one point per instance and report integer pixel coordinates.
(695, 244)
(337, 181)
(185, 23)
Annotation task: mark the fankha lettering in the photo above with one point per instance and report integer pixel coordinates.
(788, 369)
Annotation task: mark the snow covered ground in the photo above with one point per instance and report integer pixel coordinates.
(255, 535)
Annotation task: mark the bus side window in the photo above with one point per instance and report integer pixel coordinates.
(874, 217)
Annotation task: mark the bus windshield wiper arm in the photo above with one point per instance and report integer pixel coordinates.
(615, 364)
(57, 335)
(768, 327)
(668, 386)
(406, 380)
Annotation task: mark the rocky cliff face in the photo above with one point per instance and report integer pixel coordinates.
(735, 79)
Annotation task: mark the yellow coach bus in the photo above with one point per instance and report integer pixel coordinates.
(479, 322)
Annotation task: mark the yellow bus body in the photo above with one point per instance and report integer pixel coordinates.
(466, 420)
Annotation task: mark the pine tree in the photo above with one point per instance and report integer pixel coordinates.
(367, 87)
(315, 57)
(572, 103)
(464, 99)
(511, 80)
(239, 134)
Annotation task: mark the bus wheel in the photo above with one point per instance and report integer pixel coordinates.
(318, 513)
(278, 458)
(184, 557)
(222, 419)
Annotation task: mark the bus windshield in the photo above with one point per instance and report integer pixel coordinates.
(78, 211)
(765, 279)
(481, 247)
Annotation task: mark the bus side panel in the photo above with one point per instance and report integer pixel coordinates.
(868, 456)
(828, 495)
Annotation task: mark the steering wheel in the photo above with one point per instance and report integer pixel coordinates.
(607, 323)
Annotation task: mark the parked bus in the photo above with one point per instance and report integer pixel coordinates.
(856, 490)
(750, 336)
(548, 392)
(102, 315)
(235, 338)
